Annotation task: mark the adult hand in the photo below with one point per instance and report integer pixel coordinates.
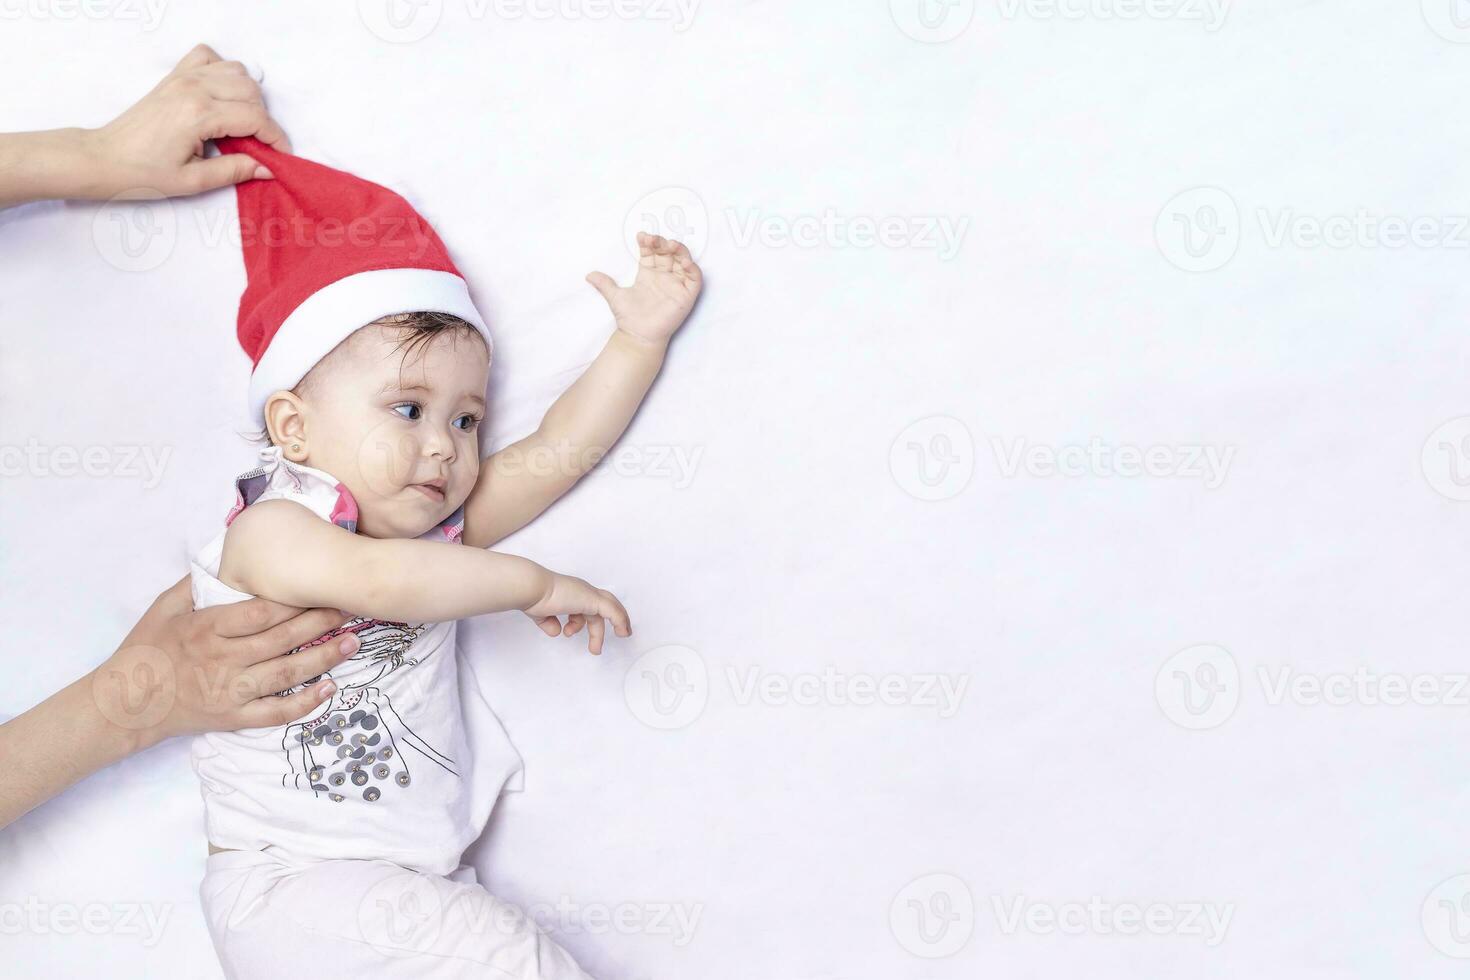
(155, 147)
(181, 671)
(178, 672)
(158, 144)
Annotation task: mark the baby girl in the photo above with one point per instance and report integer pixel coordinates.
(335, 841)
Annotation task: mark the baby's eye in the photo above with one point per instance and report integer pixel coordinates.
(409, 411)
(466, 422)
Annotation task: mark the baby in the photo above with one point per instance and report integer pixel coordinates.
(335, 841)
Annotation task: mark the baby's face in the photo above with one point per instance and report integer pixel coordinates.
(398, 428)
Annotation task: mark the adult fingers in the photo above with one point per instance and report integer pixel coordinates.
(201, 54)
(268, 712)
(282, 673)
(230, 86)
(287, 636)
(222, 171)
(248, 617)
(242, 119)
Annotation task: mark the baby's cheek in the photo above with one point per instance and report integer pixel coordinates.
(385, 458)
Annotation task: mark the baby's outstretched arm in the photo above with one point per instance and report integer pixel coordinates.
(282, 551)
(523, 479)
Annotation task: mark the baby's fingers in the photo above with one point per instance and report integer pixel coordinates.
(549, 625)
(574, 624)
(613, 610)
(595, 628)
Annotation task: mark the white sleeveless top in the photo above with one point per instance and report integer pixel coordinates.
(406, 760)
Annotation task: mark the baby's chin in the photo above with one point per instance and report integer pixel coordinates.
(388, 521)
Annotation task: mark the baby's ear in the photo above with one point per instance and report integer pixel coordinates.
(285, 424)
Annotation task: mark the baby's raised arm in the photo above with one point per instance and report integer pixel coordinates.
(523, 479)
(282, 551)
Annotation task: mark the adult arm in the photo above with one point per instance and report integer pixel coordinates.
(179, 672)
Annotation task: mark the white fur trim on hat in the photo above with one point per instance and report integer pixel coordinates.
(331, 314)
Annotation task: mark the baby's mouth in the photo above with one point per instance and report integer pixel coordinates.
(434, 490)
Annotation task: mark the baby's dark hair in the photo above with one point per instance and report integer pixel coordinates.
(422, 326)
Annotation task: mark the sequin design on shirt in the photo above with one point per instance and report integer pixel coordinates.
(358, 743)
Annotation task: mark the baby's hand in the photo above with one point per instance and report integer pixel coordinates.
(582, 605)
(661, 296)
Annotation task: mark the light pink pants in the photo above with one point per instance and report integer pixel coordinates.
(271, 916)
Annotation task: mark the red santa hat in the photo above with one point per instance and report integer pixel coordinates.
(325, 254)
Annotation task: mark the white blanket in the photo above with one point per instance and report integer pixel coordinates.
(904, 737)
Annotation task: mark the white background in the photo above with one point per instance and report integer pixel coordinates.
(1058, 143)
